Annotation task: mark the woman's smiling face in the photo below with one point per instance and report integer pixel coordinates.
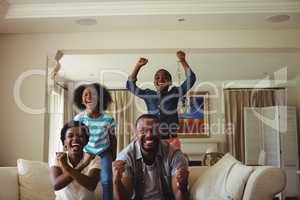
(75, 140)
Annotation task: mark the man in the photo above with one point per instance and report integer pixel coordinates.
(148, 168)
(163, 102)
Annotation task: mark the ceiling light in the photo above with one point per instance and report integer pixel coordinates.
(86, 22)
(278, 18)
(181, 19)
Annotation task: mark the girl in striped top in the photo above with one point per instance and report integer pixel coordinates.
(93, 100)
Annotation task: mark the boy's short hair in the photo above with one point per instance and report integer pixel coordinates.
(167, 73)
(72, 124)
(147, 116)
(104, 97)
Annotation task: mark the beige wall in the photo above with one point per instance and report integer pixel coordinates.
(23, 133)
(297, 92)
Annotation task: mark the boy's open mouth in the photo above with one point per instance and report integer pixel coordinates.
(162, 84)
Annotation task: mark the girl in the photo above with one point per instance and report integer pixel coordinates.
(93, 100)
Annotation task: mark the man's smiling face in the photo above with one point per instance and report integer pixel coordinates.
(147, 132)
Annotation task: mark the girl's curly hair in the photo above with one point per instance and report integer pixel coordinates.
(103, 96)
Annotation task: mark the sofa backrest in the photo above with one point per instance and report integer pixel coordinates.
(230, 179)
(9, 188)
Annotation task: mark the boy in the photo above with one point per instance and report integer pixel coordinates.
(163, 102)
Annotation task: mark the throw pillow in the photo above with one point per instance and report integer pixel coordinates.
(34, 180)
(225, 180)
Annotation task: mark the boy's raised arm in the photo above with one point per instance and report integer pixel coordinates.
(181, 58)
(190, 75)
(130, 84)
(137, 67)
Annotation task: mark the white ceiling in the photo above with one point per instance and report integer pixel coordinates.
(25, 16)
(115, 68)
(34, 16)
(60, 1)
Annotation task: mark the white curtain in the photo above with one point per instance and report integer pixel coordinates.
(69, 111)
(56, 120)
(235, 101)
(56, 98)
(123, 111)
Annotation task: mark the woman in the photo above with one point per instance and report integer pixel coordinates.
(70, 183)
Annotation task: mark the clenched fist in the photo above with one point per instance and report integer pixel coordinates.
(142, 62)
(181, 56)
(118, 167)
(182, 179)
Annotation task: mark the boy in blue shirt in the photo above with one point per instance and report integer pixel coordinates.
(163, 102)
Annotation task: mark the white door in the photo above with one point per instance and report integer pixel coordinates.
(271, 140)
(252, 131)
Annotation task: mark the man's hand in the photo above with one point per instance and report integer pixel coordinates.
(118, 167)
(182, 179)
(181, 56)
(142, 62)
(122, 185)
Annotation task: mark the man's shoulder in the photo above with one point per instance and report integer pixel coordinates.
(166, 147)
(169, 151)
(173, 159)
(127, 152)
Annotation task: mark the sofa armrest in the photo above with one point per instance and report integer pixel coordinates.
(264, 183)
(9, 186)
(195, 173)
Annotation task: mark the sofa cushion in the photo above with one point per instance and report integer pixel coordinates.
(9, 188)
(34, 179)
(225, 180)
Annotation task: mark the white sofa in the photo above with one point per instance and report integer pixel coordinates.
(262, 184)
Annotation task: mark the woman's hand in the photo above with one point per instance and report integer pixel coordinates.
(63, 160)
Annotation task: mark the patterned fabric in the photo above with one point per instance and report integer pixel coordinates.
(74, 191)
(99, 130)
